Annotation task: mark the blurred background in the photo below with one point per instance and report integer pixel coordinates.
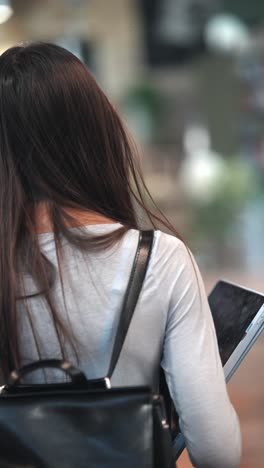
(188, 78)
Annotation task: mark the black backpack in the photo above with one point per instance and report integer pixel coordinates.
(86, 423)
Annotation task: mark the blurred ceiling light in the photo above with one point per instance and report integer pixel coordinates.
(227, 33)
(6, 11)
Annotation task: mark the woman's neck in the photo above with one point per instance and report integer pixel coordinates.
(79, 218)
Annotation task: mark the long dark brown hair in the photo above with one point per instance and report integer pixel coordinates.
(63, 144)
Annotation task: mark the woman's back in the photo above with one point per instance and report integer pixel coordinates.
(90, 302)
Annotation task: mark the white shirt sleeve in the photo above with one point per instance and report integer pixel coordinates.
(193, 367)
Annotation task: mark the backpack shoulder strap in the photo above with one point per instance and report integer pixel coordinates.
(135, 283)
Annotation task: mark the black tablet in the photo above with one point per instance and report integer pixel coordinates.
(238, 315)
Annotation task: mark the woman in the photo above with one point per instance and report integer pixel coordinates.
(69, 183)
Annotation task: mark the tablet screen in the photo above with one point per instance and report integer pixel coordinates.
(233, 309)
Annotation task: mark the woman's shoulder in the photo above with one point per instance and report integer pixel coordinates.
(168, 242)
(164, 244)
(170, 250)
(169, 253)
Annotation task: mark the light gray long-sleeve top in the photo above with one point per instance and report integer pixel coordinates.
(172, 325)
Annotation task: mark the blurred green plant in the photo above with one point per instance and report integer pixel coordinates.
(142, 106)
(214, 220)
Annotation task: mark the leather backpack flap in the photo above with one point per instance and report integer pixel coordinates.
(109, 428)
